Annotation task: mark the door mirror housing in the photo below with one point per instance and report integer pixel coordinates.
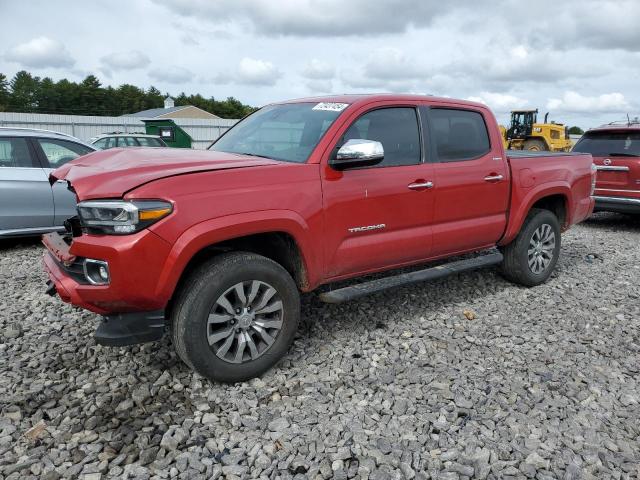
(358, 152)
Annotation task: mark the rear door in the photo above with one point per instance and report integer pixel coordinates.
(378, 217)
(616, 154)
(26, 201)
(471, 181)
(55, 153)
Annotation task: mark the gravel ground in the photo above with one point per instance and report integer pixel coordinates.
(538, 383)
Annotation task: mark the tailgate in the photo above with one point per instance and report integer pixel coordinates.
(618, 175)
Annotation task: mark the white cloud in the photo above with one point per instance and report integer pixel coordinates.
(320, 86)
(125, 60)
(318, 70)
(257, 72)
(500, 102)
(391, 63)
(577, 103)
(310, 18)
(171, 74)
(41, 52)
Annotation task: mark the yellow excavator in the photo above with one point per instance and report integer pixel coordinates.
(525, 133)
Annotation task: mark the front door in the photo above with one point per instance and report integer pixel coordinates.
(379, 216)
(26, 200)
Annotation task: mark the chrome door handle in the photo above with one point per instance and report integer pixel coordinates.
(493, 178)
(420, 186)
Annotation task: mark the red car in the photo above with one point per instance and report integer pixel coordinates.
(216, 245)
(616, 152)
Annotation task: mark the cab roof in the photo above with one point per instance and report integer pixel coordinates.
(360, 99)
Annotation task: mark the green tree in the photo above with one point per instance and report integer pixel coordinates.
(575, 131)
(24, 90)
(4, 93)
(28, 93)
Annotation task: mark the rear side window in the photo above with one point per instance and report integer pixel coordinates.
(149, 142)
(609, 143)
(14, 153)
(102, 143)
(396, 128)
(127, 142)
(458, 134)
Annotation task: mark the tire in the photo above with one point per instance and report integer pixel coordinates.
(535, 146)
(201, 315)
(516, 267)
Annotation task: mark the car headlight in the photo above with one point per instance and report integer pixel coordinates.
(119, 217)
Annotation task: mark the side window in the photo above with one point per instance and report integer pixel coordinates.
(149, 142)
(14, 152)
(396, 128)
(59, 152)
(111, 143)
(101, 144)
(458, 134)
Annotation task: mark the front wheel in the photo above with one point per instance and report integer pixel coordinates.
(530, 259)
(235, 316)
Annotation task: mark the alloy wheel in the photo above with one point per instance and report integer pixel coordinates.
(541, 248)
(245, 321)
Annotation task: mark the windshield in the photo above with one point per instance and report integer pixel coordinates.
(286, 132)
(609, 144)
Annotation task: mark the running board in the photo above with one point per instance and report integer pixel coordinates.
(360, 290)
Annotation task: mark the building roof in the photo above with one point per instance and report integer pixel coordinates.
(184, 111)
(155, 112)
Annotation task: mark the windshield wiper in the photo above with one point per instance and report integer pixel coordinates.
(254, 155)
(622, 154)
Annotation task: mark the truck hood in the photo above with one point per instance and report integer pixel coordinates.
(112, 173)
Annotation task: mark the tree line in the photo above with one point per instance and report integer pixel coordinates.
(32, 94)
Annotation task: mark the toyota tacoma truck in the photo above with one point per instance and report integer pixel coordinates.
(215, 246)
(616, 153)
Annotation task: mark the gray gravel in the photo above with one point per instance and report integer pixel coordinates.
(542, 383)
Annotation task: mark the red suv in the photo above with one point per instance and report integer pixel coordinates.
(616, 153)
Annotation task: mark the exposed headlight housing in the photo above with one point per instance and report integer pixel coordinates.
(120, 217)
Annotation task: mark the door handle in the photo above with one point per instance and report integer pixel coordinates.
(493, 178)
(420, 185)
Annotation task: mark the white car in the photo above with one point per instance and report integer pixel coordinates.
(29, 203)
(113, 140)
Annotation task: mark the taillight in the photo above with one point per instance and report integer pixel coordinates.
(594, 172)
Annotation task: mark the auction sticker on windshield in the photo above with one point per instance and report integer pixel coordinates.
(332, 107)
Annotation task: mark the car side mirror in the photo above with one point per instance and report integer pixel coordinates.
(358, 152)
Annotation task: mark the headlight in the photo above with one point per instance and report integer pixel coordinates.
(119, 217)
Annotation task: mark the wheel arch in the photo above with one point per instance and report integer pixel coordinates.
(282, 236)
(554, 198)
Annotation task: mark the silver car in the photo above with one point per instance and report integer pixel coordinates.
(29, 204)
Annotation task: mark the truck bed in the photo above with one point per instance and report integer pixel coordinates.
(528, 153)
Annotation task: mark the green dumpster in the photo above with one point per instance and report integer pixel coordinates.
(172, 134)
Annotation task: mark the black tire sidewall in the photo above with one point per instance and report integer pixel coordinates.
(197, 308)
(539, 218)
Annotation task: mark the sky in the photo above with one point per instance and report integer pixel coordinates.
(581, 62)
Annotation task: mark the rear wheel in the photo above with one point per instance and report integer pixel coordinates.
(235, 316)
(530, 259)
(534, 145)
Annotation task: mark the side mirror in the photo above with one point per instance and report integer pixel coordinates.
(358, 152)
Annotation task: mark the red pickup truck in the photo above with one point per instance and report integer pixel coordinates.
(216, 245)
(616, 153)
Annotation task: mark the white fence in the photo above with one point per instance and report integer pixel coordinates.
(202, 131)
